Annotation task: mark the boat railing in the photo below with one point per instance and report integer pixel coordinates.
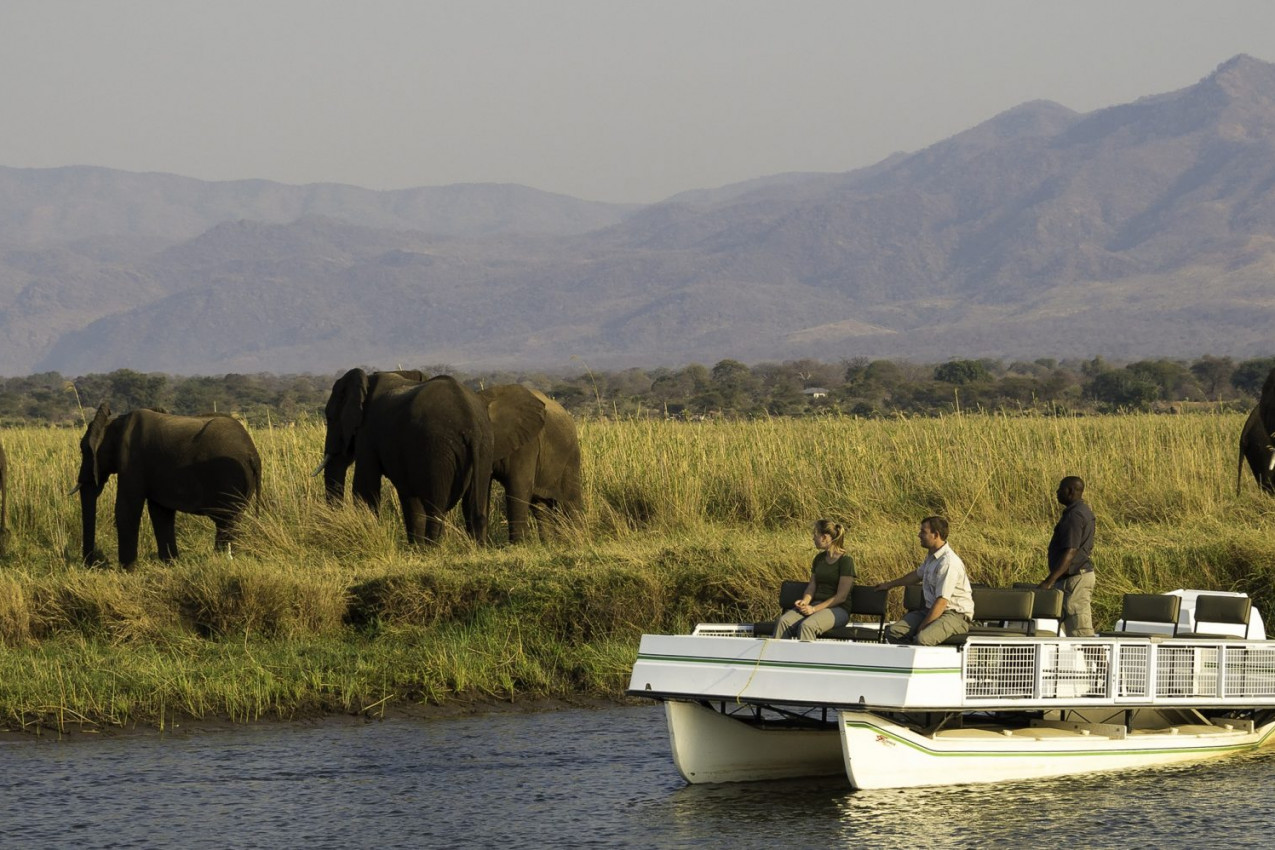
(1119, 670)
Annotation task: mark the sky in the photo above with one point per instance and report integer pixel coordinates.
(598, 99)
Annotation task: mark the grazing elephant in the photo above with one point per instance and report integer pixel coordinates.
(205, 465)
(433, 441)
(1256, 441)
(344, 414)
(541, 474)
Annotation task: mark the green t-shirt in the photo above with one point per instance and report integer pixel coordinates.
(828, 575)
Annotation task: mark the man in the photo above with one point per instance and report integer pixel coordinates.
(1068, 556)
(949, 603)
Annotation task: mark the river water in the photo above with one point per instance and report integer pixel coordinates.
(573, 778)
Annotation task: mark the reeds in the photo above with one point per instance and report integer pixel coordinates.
(325, 609)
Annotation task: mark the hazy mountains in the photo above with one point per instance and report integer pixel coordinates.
(1146, 229)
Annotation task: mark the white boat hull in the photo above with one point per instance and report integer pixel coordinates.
(712, 747)
(881, 754)
(997, 708)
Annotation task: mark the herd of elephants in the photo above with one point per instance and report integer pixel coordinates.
(436, 440)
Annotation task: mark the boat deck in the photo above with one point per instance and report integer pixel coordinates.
(986, 673)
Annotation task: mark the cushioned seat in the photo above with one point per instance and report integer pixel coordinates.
(1148, 608)
(1002, 611)
(865, 602)
(789, 593)
(1214, 609)
(1047, 605)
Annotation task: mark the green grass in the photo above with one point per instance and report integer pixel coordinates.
(325, 610)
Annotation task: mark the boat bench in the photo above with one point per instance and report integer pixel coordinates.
(1003, 611)
(866, 603)
(999, 611)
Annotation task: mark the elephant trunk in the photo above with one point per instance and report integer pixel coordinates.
(88, 516)
(334, 470)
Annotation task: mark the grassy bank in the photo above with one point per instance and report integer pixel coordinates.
(327, 610)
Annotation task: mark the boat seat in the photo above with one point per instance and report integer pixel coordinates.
(789, 593)
(1002, 611)
(865, 602)
(1217, 609)
(1047, 605)
(913, 597)
(1147, 608)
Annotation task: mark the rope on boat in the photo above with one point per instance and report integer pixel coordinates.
(756, 666)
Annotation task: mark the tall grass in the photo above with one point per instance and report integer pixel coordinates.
(328, 609)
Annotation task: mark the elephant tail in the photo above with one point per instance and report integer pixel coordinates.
(254, 464)
(1239, 473)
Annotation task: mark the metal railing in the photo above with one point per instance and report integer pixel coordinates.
(1177, 671)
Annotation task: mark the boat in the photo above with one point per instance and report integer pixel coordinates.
(995, 707)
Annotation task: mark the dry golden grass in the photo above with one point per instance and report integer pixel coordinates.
(329, 609)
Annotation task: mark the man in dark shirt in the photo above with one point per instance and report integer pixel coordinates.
(1069, 558)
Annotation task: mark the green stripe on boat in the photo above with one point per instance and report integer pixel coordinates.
(791, 665)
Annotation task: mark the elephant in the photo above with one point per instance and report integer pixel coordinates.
(205, 465)
(536, 461)
(433, 440)
(1256, 440)
(543, 473)
(344, 415)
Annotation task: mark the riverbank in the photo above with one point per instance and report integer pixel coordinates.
(185, 726)
(326, 611)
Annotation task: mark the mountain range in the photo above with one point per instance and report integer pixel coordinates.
(1145, 229)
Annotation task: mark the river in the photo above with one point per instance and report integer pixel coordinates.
(572, 778)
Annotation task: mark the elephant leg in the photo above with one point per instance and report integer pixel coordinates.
(517, 509)
(544, 512)
(367, 485)
(433, 527)
(415, 522)
(227, 524)
(164, 521)
(128, 523)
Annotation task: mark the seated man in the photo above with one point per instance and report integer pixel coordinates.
(949, 602)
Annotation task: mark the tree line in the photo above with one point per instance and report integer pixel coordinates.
(729, 388)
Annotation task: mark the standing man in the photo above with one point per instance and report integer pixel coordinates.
(1069, 562)
(949, 602)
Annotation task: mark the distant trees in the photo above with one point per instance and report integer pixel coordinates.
(859, 387)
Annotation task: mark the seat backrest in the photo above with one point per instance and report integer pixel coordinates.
(1216, 608)
(1047, 603)
(790, 592)
(867, 601)
(1151, 608)
(913, 597)
(1001, 604)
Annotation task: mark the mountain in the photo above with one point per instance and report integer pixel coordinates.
(1142, 230)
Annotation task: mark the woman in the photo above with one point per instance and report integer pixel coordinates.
(826, 602)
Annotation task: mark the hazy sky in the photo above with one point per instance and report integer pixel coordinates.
(614, 101)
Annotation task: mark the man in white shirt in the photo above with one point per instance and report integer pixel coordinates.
(949, 602)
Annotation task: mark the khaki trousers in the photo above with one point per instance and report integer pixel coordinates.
(795, 624)
(948, 624)
(1077, 599)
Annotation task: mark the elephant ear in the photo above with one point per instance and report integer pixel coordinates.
(1266, 404)
(345, 406)
(517, 417)
(93, 438)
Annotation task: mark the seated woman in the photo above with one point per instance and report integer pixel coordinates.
(826, 602)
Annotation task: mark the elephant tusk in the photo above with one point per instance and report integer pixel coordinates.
(1270, 467)
(74, 490)
(320, 467)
